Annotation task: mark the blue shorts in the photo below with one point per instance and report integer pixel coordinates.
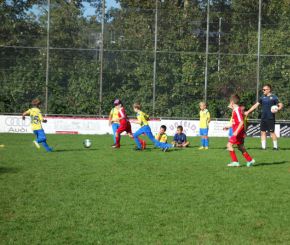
(40, 135)
(203, 131)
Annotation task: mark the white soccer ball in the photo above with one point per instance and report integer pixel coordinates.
(87, 143)
(274, 109)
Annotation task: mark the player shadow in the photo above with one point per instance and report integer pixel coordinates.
(269, 149)
(5, 170)
(269, 163)
(74, 150)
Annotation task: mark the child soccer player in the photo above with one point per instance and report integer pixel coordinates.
(161, 136)
(203, 125)
(179, 139)
(36, 124)
(238, 134)
(145, 129)
(125, 125)
(114, 121)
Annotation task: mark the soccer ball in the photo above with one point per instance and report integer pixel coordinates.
(87, 143)
(274, 109)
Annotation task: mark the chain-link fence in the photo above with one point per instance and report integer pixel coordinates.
(168, 55)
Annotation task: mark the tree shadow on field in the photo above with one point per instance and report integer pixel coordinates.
(5, 170)
(269, 163)
(74, 150)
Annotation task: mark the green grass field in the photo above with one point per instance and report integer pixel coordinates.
(105, 196)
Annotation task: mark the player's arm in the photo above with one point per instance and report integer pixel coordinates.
(280, 106)
(254, 107)
(241, 124)
(24, 114)
(110, 118)
(208, 117)
(41, 118)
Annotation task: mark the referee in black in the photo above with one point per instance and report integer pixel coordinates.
(267, 100)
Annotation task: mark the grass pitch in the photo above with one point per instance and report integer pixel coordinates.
(104, 196)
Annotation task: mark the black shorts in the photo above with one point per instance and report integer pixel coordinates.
(268, 125)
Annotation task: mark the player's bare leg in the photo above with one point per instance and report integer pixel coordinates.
(275, 140)
(185, 144)
(263, 139)
(117, 145)
(235, 162)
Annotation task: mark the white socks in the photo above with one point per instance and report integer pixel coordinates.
(275, 144)
(263, 144)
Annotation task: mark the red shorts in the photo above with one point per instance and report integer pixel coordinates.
(125, 127)
(238, 140)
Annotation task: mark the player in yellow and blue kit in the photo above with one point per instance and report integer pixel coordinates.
(203, 125)
(36, 124)
(161, 136)
(145, 129)
(114, 120)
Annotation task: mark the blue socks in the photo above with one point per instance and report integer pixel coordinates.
(204, 142)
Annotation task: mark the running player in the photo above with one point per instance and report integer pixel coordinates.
(238, 134)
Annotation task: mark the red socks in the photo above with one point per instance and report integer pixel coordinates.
(247, 156)
(233, 156)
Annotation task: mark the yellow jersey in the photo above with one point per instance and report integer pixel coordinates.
(161, 138)
(204, 118)
(36, 118)
(114, 115)
(143, 118)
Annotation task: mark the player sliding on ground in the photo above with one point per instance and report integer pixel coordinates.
(239, 134)
(145, 129)
(36, 124)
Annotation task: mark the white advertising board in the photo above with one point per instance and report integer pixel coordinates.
(69, 125)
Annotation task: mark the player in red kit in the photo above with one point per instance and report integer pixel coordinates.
(125, 125)
(239, 134)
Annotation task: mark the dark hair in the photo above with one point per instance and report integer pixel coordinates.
(235, 98)
(180, 127)
(269, 86)
(164, 127)
(36, 102)
(137, 106)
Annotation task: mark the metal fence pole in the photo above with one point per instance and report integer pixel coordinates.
(47, 57)
(155, 56)
(206, 54)
(259, 50)
(101, 58)
(219, 55)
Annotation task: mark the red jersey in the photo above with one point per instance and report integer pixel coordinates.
(237, 117)
(122, 114)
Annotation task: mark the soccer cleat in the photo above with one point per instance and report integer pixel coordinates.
(275, 149)
(234, 164)
(206, 148)
(137, 149)
(165, 149)
(201, 148)
(116, 146)
(36, 144)
(251, 163)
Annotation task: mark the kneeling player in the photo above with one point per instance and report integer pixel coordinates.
(238, 134)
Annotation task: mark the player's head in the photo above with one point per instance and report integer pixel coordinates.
(136, 107)
(162, 129)
(117, 103)
(202, 105)
(234, 100)
(179, 129)
(267, 89)
(36, 102)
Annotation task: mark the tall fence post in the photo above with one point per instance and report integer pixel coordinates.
(47, 57)
(206, 54)
(259, 50)
(101, 58)
(155, 56)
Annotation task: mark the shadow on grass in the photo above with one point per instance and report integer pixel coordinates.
(74, 150)
(269, 163)
(5, 170)
(269, 149)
